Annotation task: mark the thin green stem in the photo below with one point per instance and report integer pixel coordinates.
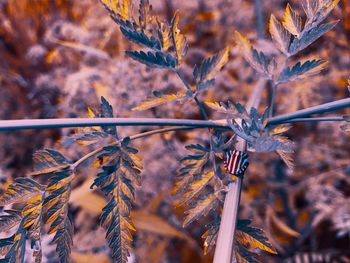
(323, 108)
(133, 137)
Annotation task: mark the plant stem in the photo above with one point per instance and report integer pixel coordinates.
(298, 116)
(133, 137)
(224, 243)
(315, 119)
(330, 106)
(8, 125)
(272, 89)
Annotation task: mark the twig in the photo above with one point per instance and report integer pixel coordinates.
(224, 243)
(298, 116)
(133, 137)
(327, 107)
(315, 119)
(8, 125)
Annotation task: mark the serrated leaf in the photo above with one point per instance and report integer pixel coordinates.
(20, 191)
(125, 8)
(210, 236)
(153, 59)
(10, 219)
(118, 233)
(309, 37)
(192, 165)
(243, 255)
(318, 11)
(256, 59)
(5, 245)
(200, 209)
(32, 220)
(197, 186)
(144, 13)
(310, 7)
(141, 38)
(302, 70)
(119, 12)
(56, 201)
(164, 35)
(64, 239)
(280, 36)
(210, 67)
(118, 180)
(179, 40)
(232, 109)
(252, 236)
(292, 21)
(48, 161)
(106, 111)
(84, 138)
(156, 101)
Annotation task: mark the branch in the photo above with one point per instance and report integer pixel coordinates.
(327, 107)
(224, 243)
(8, 125)
(298, 116)
(133, 137)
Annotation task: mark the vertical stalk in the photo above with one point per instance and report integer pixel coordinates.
(224, 243)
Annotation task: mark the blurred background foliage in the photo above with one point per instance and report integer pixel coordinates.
(60, 56)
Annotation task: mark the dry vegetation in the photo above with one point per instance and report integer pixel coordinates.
(59, 57)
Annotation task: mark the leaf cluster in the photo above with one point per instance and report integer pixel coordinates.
(291, 36)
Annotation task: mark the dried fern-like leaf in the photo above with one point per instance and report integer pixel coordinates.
(33, 216)
(200, 209)
(210, 67)
(309, 37)
(179, 40)
(243, 255)
(20, 191)
(125, 8)
(310, 7)
(5, 245)
(48, 161)
(280, 36)
(118, 178)
(84, 138)
(292, 21)
(197, 186)
(153, 59)
(192, 165)
(158, 100)
(10, 219)
(210, 236)
(120, 12)
(14, 246)
(256, 59)
(231, 109)
(302, 70)
(106, 111)
(56, 201)
(164, 35)
(141, 38)
(318, 11)
(144, 13)
(252, 236)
